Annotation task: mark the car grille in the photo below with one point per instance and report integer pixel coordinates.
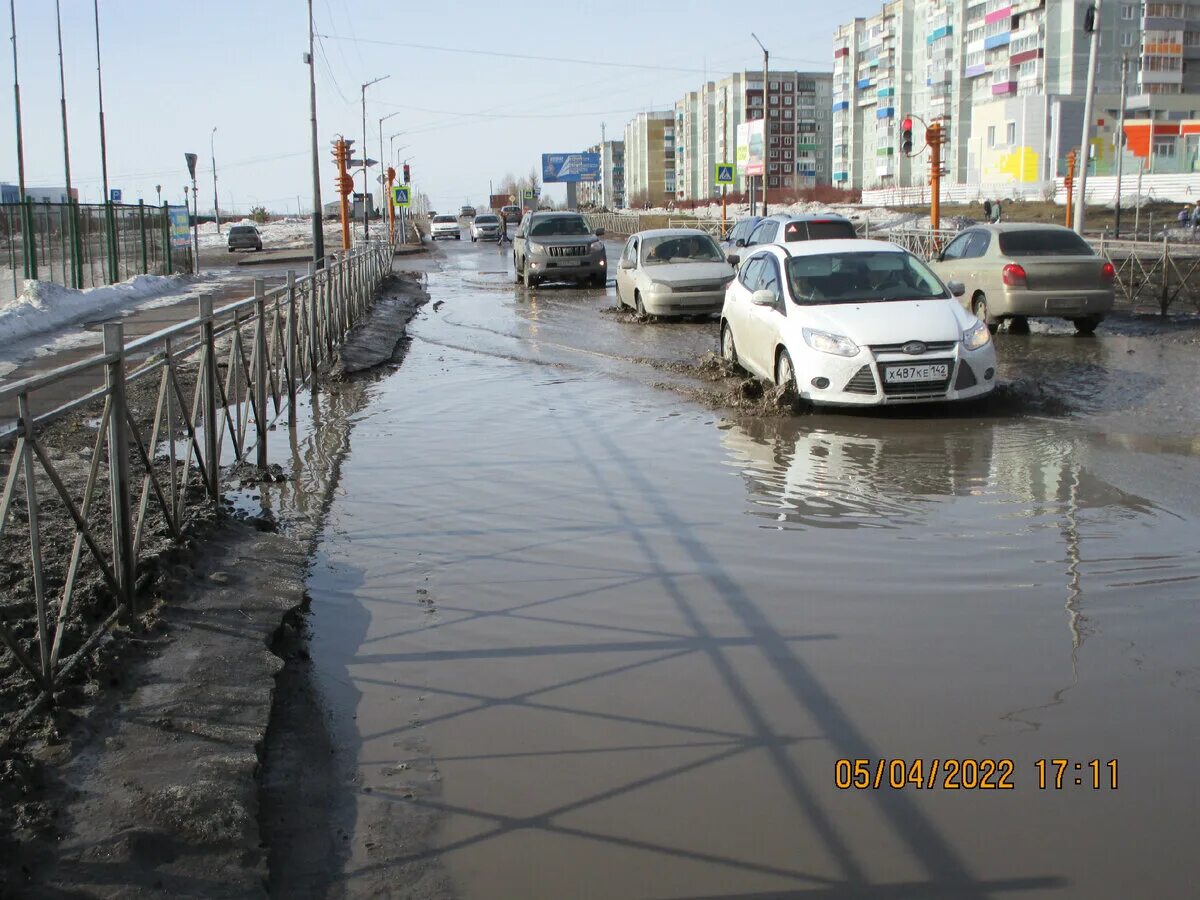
(966, 378)
(863, 382)
(700, 288)
(930, 347)
(912, 390)
(579, 250)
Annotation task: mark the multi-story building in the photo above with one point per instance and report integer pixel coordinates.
(650, 158)
(1007, 78)
(800, 144)
(609, 191)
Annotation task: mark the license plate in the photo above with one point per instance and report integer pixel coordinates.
(1064, 303)
(906, 374)
(567, 262)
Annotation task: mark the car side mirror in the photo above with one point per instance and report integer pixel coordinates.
(763, 298)
(740, 242)
(599, 232)
(957, 288)
(733, 259)
(627, 264)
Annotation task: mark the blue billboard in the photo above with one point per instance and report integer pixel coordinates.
(570, 167)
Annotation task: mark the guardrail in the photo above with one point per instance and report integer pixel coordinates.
(226, 373)
(616, 223)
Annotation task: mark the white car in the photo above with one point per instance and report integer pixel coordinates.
(854, 323)
(445, 226)
(486, 227)
(673, 272)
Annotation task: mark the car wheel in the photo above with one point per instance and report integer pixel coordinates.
(638, 306)
(785, 372)
(728, 348)
(979, 306)
(230, 249)
(599, 280)
(516, 270)
(458, 237)
(1087, 324)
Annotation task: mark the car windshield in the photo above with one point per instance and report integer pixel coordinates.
(1044, 242)
(444, 219)
(486, 220)
(559, 225)
(875, 276)
(677, 248)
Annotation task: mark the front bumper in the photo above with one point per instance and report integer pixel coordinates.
(859, 380)
(578, 268)
(1067, 303)
(493, 235)
(444, 232)
(684, 303)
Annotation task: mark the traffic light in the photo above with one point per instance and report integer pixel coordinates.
(906, 136)
(406, 175)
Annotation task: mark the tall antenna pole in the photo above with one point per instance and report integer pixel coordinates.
(12, 6)
(100, 91)
(62, 83)
(1121, 141)
(318, 234)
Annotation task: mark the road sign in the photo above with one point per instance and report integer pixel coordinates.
(401, 194)
(724, 173)
(114, 194)
(570, 167)
(528, 194)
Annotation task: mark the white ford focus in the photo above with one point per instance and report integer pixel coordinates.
(854, 323)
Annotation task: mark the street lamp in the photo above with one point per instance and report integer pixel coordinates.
(392, 151)
(766, 123)
(382, 168)
(366, 183)
(212, 145)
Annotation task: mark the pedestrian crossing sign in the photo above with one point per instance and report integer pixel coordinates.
(724, 173)
(400, 194)
(528, 193)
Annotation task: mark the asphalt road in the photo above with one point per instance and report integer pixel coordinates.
(581, 629)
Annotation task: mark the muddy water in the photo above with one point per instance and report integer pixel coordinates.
(585, 637)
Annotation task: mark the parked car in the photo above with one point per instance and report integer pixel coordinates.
(854, 323)
(244, 237)
(486, 227)
(785, 228)
(1014, 271)
(559, 246)
(467, 212)
(511, 213)
(445, 226)
(739, 232)
(673, 272)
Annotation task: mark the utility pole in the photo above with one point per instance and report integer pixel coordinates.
(76, 273)
(100, 91)
(1069, 184)
(766, 123)
(382, 174)
(366, 183)
(212, 148)
(318, 233)
(1092, 25)
(724, 158)
(1121, 141)
(158, 190)
(933, 136)
(12, 8)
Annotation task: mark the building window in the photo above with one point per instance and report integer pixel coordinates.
(787, 101)
(1164, 149)
(774, 85)
(1010, 133)
(1128, 11)
(991, 135)
(1127, 39)
(774, 154)
(774, 99)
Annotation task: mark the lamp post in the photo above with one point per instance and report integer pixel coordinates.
(766, 123)
(1092, 24)
(382, 167)
(366, 182)
(317, 228)
(212, 146)
(394, 151)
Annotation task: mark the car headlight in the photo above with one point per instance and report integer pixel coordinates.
(657, 287)
(830, 343)
(976, 336)
(595, 245)
(537, 248)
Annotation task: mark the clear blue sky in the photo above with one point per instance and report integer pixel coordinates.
(174, 70)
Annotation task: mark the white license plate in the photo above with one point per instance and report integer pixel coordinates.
(905, 374)
(1064, 303)
(567, 262)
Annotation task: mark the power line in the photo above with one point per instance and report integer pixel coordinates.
(488, 115)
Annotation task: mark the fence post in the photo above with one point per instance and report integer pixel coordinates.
(142, 225)
(110, 240)
(76, 240)
(211, 462)
(291, 345)
(1165, 301)
(118, 463)
(29, 239)
(25, 422)
(260, 371)
(166, 235)
(314, 297)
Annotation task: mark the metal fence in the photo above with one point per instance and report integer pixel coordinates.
(85, 245)
(226, 374)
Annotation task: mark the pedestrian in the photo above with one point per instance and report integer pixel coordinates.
(1195, 217)
(996, 212)
(1185, 217)
(987, 210)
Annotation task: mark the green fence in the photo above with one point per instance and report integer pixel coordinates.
(83, 245)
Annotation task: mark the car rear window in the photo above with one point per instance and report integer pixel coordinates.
(818, 230)
(1044, 243)
(240, 231)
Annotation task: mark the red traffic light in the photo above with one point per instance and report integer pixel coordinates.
(906, 125)
(406, 178)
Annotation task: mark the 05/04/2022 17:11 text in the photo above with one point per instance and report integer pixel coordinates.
(970, 774)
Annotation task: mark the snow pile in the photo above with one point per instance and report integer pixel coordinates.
(285, 233)
(44, 306)
(878, 217)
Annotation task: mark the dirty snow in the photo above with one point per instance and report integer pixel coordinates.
(280, 234)
(44, 306)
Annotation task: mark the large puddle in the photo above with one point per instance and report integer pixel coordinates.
(616, 641)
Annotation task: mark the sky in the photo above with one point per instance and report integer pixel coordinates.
(467, 115)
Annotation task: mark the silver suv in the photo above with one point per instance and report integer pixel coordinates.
(559, 246)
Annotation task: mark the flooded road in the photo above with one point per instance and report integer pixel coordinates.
(582, 634)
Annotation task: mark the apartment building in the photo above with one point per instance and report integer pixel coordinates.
(650, 158)
(800, 144)
(1007, 78)
(609, 191)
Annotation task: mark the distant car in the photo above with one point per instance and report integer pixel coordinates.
(740, 232)
(785, 229)
(445, 226)
(559, 246)
(467, 212)
(854, 323)
(244, 237)
(511, 213)
(486, 227)
(1014, 271)
(673, 272)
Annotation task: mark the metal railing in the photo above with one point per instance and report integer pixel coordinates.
(227, 373)
(85, 245)
(616, 223)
